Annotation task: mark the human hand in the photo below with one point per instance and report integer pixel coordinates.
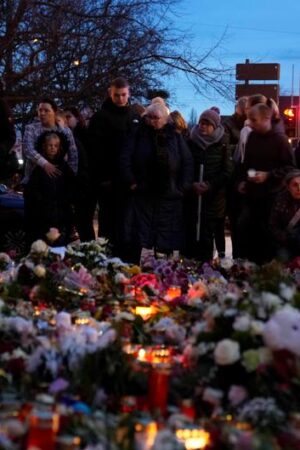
(242, 187)
(51, 170)
(200, 188)
(259, 177)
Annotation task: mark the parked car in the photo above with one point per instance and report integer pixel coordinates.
(12, 234)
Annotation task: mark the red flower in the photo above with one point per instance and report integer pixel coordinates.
(285, 364)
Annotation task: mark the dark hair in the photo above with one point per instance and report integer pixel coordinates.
(64, 144)
(50, 102)
(76, 113)
(119, 83)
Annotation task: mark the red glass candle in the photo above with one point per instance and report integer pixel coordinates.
(173, 292)
(188, 408)
(158, 388)
(43, 426)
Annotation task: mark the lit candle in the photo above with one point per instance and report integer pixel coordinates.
(188, 408)
(43, 426)
(158, 388)
(145, 311)
(193, 438)
(145, 433)
(82, 320)
(173, 292)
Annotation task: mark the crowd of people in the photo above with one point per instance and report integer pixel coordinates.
(159, 186)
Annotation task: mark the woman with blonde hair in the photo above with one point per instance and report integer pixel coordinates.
(180, 125)
(156, 166)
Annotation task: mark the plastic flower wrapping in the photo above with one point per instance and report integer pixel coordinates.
(97, 334)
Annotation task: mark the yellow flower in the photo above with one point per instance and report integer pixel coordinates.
(133, 270)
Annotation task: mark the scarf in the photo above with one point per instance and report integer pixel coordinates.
(202, 140)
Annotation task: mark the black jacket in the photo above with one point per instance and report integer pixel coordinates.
(160, 164)
(217, 163)
(8, 162)
(269, 152)
(107, 131)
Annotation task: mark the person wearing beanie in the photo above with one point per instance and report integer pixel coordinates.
(216, 109)
(212, 116)
(212, 163)
(285, 218)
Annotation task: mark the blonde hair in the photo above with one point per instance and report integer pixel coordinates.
(262, 110)
(262, 99)
(178, 120)
(157, 108)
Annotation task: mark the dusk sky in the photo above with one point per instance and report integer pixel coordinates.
(261, 30)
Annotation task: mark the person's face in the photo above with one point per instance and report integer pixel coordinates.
(206, 127)
(61, 121)
(156, 120)
(294, 188)
(259, 123)
(46, 114)
(71, 120)
(51, 147)
(119, 96)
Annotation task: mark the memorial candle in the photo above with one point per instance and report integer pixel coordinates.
(193, 438)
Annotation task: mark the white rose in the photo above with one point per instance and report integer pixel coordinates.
(40, 271)
(287, 292)
(265, 355)
(212, 396)
(242, 323)
(120, 278)
(39, 246)
(257, 327)
(227, 352)
(124, 316)
(52, 235)
(213, 310)
(63, 321)
(270, 300)
(226, 263)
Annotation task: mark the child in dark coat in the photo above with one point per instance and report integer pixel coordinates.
(48, 198)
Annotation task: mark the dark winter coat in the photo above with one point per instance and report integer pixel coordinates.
(233, 125)
(48, 200)
(83, 187)
(269, 152)
(8, 161)
(287, 241)
(107, 131)
(217, 163)
(160, 164)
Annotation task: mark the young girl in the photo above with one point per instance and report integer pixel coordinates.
(48, 199)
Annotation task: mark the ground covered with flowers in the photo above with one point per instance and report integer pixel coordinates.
(132, 357)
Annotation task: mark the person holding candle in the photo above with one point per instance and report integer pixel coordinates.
(268, 158)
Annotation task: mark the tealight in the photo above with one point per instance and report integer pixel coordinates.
(193, 438)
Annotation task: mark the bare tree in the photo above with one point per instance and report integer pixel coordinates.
(72, 49)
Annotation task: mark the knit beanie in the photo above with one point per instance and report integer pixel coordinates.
(212, 117)
(290, 175)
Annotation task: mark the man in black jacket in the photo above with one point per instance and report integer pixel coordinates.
(108, 130)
